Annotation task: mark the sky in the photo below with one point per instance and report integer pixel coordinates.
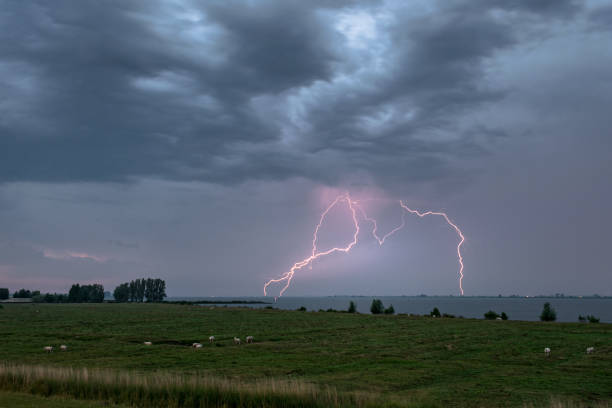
(199, 142)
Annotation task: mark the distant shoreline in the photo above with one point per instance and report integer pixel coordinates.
(214, 302)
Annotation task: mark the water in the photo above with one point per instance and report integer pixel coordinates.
(567, 309)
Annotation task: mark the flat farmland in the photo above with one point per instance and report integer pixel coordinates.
(348, 359)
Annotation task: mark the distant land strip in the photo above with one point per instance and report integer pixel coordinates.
(217, 302)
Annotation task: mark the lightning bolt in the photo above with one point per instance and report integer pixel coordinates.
(375, 226)
(353, 206)
(287, 276)
(455, 227)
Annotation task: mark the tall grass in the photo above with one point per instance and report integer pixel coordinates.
(170, 390)
(560, 403)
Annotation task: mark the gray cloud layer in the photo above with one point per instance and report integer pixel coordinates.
(230, 91)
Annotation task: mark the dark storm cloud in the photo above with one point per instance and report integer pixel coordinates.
(601, 17)
(230, 91)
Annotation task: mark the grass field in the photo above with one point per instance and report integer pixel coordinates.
(357, 359)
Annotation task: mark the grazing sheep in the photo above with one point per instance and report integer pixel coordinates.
(48, 349)
(547, 351)
(147, 343)
(236, 340)
(211, 339)
(63, 347)
(249, 339)
(197, 345)
(590, 350)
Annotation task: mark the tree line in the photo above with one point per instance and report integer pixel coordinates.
(86, 293)
(77, 294)
(153, 290)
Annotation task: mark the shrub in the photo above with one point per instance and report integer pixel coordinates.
(390, 310)
(377, 306)
(592, 319)
(548, 313)
(352, 308)
(491, 315)
(330, 310)
(452, 316)
(504, 316)
(435, 312)
(302, 309)
(581, 318)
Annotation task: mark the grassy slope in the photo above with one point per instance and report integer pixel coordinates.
(447, 361)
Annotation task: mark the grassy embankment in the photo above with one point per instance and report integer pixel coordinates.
(299, 358)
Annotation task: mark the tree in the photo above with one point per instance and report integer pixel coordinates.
(140, 289)
(377, 306)
(4, 293)
(435, 312)
(390, 310)
(73, 293)
(592, 319)
(122, 292)
(22, 293)
(548, 313)
(96, 293)
(491, 315)
(504, 316)
(352, 308)
(132, 291)
(150, 290)
(161, 290)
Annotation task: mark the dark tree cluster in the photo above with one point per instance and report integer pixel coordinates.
(492, 315)
(154, 290)
(86, 293)
(590, 318)
(377, 307)
(548, 313)
(23, 294)
(4, 293)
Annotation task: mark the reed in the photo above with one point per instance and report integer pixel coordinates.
(162, 389)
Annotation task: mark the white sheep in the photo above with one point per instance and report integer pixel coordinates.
(547, 351)
(236, 340)
(147, 343)
(590, 350)
(63, 347)
(48, 349)
(211, 339)
(197, 345)
(249, 339)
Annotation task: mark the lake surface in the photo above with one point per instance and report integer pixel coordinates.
(567, 309)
